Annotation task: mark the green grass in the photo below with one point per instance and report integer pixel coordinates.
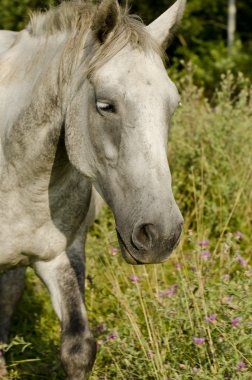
(146, 329)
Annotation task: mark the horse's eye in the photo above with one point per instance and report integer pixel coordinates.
(105, 107)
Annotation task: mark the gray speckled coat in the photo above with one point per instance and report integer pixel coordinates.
(64, 129)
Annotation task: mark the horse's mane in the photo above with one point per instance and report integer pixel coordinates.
(76, 16)
(68, 16)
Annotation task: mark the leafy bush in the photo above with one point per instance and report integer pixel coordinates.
(210, 154)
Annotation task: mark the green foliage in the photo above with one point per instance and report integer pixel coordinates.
(202, 38)
(14, 15)
(147, 328)
(208, 139)
(211, 60)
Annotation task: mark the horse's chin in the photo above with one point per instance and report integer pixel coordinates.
(125, 252)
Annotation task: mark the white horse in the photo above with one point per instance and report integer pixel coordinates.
(85, 101)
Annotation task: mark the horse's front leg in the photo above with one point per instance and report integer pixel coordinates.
(64, 277)
(11, 289)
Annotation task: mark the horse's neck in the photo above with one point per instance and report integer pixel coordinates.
(7, 38)
(30, 109)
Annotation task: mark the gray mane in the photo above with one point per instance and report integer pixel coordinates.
(76, 18)
(66, 17)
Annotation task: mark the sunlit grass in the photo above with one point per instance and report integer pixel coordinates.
(182, 319)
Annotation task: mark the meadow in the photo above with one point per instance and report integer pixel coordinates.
(190, 318)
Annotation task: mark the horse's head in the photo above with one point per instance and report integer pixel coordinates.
(123, 129)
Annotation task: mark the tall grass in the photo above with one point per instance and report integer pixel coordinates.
(191, 317)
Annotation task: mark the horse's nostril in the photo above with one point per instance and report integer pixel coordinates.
(144, 236)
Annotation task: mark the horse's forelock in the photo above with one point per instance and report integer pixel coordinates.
(130, 31)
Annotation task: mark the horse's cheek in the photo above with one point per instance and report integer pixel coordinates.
(106, 138)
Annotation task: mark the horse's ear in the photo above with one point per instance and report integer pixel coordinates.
(105, 19)
(163, 28)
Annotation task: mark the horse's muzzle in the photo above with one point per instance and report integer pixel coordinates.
(148, 245)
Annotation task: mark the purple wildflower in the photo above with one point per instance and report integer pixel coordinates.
(170, 291)
(203, 243)
(227, 375)
(205, 254)
(226, 277)
(112, 336)
(101, 327)
(114, 251)
(240, 366)
(198, 341)
(150, 354)
(188, 256)
(241, 261)
(134, 278)
(167, 293)
(238, 235)
(177, 265)
(235, 322)
(195, 370)
(212, 318)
